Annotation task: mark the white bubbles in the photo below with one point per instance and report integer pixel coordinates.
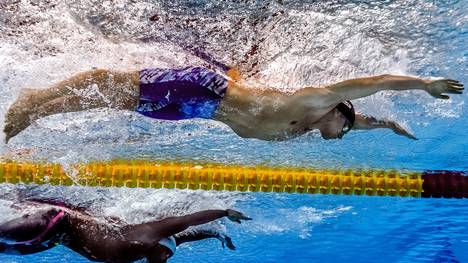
(297, 44)
(294, 220)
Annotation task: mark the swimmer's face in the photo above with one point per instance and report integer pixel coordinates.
(163, 254)
(332, 125)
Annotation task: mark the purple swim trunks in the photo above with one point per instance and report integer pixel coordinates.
(176, 94)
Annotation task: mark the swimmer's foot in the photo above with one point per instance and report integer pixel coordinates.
(12, 129)
(30, 105)
(16, 120)
(18, 116)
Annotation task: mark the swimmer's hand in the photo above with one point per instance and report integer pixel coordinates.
(364, 122)
(398, 129)
(236, 216)
(226, 241)
(437, 87)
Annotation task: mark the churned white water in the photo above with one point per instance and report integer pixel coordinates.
(298, 43)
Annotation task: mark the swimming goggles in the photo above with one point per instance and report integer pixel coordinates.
(347, 126)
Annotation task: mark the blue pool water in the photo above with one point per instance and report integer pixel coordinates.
(301, 43)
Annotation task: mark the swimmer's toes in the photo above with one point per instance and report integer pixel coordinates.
(17, 118)
(9, 132)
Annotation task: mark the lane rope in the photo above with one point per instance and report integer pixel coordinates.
(143, 174)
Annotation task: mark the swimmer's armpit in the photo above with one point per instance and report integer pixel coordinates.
(364, 122)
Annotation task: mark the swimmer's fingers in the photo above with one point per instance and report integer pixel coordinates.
(236, 216)
(227, 241)
(455, 87)
(398, 129)
(410, 136)
(444, 97)
(454, 82)
(439, 88)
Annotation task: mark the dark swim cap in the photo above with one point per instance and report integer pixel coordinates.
(347, 109)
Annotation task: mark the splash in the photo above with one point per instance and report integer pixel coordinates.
(295, 220)
(288, 46)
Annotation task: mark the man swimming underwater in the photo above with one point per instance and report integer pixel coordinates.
(197, 92)
(105, 240)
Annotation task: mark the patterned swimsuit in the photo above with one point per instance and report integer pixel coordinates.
(175, 94)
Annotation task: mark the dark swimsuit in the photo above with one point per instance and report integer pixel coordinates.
(39, 238)
(37, 244)
(176, 94)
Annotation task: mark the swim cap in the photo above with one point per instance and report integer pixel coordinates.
(169, 242)
(347, 109)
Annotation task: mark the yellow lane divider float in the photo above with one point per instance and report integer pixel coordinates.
(449, 184)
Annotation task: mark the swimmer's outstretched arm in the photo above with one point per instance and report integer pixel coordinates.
(170, 226)
(364, 122)
(204, 234)
(363, 87)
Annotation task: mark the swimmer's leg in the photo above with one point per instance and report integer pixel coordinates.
(88, 90)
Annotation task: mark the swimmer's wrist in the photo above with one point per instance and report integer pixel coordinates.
(427, 82)
(226, 212)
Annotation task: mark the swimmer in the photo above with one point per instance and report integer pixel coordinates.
(198, 92)
(53, 224)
